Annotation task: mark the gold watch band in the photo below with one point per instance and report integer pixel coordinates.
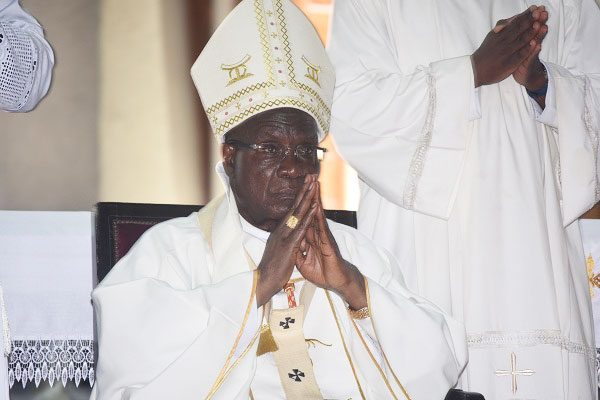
(363, 313)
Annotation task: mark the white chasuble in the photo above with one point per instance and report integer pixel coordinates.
(477, 192)
(177, 319)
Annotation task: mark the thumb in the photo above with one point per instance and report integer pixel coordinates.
(503, 23)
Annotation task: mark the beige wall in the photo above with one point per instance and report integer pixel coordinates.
(121, 121)
(150, 129)
(48, 157)
(148, 133)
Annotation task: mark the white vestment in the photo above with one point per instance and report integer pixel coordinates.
(170, 311)
(478, 189)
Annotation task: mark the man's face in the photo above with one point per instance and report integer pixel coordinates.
(265, 186)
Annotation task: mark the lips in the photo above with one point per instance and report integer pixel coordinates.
(286, 193)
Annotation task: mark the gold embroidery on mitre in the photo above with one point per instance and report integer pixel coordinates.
(237, 71)
(594, 279)
(251, 99)
(313, 71)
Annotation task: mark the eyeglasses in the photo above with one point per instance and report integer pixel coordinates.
(274, 151)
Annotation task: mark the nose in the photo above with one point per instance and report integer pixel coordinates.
(290, 166)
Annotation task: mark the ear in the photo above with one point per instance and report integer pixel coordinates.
(228, 152)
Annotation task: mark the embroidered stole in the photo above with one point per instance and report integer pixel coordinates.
(286, 327)
(291, 357)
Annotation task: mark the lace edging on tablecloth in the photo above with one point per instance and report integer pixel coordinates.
(51, 361)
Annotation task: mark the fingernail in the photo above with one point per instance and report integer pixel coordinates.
(306, 178)
(310, 186)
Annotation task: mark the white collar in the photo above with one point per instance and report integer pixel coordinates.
(247, 227)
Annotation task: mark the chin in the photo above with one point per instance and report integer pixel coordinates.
(279, 210)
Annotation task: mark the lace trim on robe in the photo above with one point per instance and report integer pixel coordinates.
(417, 163)
(51, 360)
(529, 338)
(16, 68)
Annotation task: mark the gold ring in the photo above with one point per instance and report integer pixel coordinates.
(291, 222)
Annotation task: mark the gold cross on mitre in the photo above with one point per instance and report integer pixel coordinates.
(514, 372)
(238, 70)
(312, 71)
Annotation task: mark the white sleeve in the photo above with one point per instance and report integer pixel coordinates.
(411, 124)
(576, 87)
(475, 110)
(26, 59)
(403, 326)
(160, 337)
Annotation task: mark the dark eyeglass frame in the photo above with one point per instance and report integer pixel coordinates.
(261, 147)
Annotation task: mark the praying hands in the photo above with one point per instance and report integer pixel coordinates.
(303, 239)
(512, 48)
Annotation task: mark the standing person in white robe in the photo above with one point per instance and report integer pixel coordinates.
(181, 314)
(26, 59)
(477, 191)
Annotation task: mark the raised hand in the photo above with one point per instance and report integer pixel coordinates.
(277, 263)
(531, 72)
(507, 46)
(321, 263)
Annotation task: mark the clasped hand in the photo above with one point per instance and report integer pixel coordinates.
(512, 48)
(310, 247)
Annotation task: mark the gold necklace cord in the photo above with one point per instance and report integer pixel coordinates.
(377, 337)
(296, 280)
(387, 382)
(221, 377)
(344, 343)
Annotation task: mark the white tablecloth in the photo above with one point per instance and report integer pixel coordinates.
(47, 273)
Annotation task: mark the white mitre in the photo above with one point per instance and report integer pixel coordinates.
(266, 54)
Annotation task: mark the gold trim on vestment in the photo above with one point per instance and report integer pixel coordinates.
(239, 359)
(385, 379)
(224, 372)
(344, 343)
(377, 337)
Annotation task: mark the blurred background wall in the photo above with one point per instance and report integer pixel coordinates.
(49, 157)
(122, 120)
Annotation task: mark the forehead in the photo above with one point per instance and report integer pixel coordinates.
(282, 124)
